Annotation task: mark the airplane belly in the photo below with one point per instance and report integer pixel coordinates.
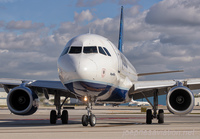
(103, 92)
(86, 88)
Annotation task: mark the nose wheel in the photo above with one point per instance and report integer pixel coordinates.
(85, 120)
(89, 118)
(92, 119)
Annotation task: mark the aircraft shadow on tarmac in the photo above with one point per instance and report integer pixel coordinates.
(32, 123)
(45, 123)
(101, 121)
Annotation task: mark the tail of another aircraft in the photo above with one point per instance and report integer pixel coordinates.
(120, 43)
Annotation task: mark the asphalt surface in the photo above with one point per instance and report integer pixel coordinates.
(117, 122)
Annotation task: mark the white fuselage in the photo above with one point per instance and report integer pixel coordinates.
(90, 65)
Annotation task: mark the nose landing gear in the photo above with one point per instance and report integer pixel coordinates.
(89, 118)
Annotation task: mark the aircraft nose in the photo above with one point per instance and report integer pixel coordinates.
(87, 69)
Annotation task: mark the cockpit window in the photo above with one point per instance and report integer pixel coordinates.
(65, 51)
(101, 51)
(75, 50)
(106, 51)
(90, 49)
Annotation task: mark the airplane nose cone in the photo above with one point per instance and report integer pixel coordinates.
(87, 69)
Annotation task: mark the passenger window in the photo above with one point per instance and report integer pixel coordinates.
(106, 51)
(91, 49)
(101, 51)
(75, 50)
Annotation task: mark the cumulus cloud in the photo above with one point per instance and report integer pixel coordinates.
(166, 38)
(89, 3)
(2, 24)
(175, 12)
(28, 65)
(151, 44)
(83, 16)
(31, 54)
(126, 2)
(23, 25)
(3, 51)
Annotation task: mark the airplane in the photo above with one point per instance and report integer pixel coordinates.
(138, 103)
(92, 69)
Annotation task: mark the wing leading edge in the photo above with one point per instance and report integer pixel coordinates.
(142, 89)
(38, 86)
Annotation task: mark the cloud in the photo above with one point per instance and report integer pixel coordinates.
(92, 3)
(29, 50)
(83, 16)
(23, 25)
(89, 3)
(127, 2)
(2, 23)
(3, 51)
(5, 1)
(28, 65)
(176, 13)
(150, 43)
(2, 7)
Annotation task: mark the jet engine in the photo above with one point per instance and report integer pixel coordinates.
(180, 100)
(22, 101)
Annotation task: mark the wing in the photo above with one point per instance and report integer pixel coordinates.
(142, 89)
(39, 86)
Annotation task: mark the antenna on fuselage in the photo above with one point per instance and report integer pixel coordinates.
(89, 30)
(120, 43)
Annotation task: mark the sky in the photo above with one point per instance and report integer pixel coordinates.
(159, 35)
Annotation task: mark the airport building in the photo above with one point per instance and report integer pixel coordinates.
(3, 96)
(197, 101)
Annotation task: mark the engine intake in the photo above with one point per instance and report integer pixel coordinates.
(22, 101)
(180, 100)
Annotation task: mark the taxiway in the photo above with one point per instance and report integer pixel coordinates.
(117, 122)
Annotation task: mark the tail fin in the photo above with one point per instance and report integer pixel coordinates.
(120, 43)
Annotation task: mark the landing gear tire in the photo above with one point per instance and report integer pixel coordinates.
(149, 116)
(64, 117)
(161, 116)
(85, 120)
(53, 117)
(92, 120)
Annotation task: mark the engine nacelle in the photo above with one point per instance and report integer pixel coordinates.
(22, 101)
(180, 100)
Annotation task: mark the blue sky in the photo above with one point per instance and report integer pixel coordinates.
(51, 12)
(158, 35)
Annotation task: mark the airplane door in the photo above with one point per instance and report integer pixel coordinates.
(118, 57)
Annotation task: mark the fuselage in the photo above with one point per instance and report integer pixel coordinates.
(90, 65)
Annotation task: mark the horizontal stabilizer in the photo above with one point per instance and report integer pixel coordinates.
(153, 73)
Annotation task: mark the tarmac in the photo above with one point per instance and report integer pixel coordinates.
(112, 122)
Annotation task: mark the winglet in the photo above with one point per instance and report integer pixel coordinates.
(120, 43)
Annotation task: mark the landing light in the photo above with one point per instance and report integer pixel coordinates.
(85, 98)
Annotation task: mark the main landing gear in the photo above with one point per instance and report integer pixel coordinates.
(54, 116)
(149, 115)
(89, 118)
